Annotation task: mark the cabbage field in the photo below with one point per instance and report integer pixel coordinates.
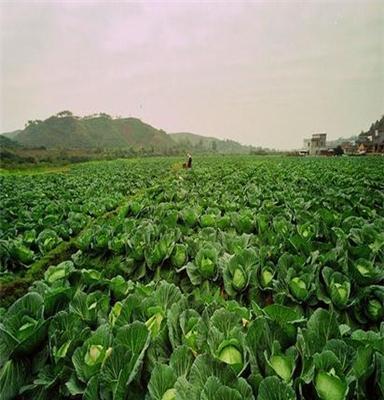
(243, 278)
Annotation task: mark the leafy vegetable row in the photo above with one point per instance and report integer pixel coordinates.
(40, 211)
(77, 333)
(242, 279)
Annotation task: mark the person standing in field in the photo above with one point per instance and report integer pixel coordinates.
(189, 163)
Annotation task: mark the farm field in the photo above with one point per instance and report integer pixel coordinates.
(243, 278)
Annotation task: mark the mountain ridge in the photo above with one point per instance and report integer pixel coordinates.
(64, 130)
(209, 143)
(67, 131)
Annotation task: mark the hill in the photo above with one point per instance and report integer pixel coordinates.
(67, 131)
(9, 143)
(9, 150)
(377, 126)
(199, 143)
(11, 135)
(100, 131)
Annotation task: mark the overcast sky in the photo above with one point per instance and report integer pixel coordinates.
(265, 73)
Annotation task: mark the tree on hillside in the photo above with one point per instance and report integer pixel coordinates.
(377, 125)
(105, 115)
(64, 113)
(32, 123)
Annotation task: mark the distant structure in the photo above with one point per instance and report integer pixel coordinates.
(370, 142)
(348, 147)
(316, 145)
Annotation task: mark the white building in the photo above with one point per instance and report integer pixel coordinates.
(316, 145)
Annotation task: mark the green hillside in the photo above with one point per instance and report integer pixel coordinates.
(209, 144)
(7, 142)
(65, 130)
(378, 125)
(11, 135)
(9, 151)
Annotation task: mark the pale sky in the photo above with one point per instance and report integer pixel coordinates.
(266, 73)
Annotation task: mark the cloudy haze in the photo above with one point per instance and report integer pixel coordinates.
(263, 73)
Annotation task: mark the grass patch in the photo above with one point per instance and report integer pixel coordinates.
(63, 169)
